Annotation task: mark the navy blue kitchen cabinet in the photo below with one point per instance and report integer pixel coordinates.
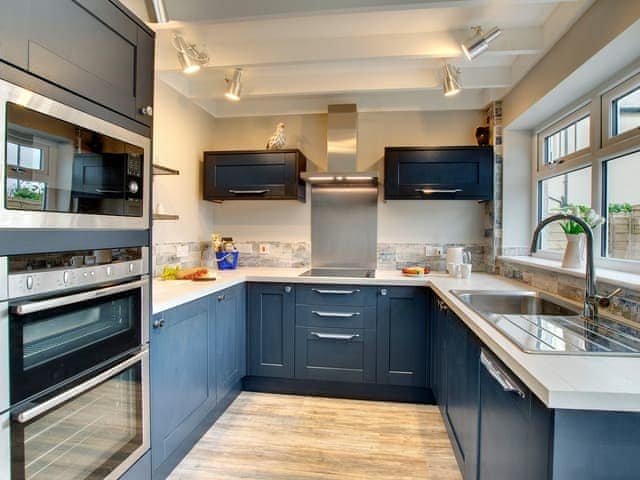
(251, 175)
(183, 387)
(271, 329)
(438, 173)
(230, 332)
(141, 470)
(403, 348)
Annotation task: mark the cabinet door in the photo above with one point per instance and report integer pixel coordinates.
(437, 376)
(271, 323)
(229, 339)
(462, 392)
(88, 47)
(438, 173)
(514, 427)
(141, 470)
(145, 57)
(237, 176)
(181, 393)
(14, 43)
(402, 336)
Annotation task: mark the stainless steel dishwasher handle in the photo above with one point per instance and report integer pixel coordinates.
(500, 376)
(32, 307)
(78, 390)
(249, 192)
(336, 314)
(429, 191)
(335, 336)
(334, 292)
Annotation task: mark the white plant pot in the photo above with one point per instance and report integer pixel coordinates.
(574, 251)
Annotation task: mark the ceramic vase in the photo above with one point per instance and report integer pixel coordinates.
(574, 251)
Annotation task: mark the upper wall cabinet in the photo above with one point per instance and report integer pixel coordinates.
(438, 173)
(257, 174)
(91, 48)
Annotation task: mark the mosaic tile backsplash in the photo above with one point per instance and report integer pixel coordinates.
(626, 305)
(391, 256)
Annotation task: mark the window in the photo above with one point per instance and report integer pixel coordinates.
(626, 112)
(24, 156)
(621, 112)
(26, 166)
(566, 141)
(571, 188)
(622, 199)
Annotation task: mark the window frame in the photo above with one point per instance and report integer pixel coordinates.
(603, 148)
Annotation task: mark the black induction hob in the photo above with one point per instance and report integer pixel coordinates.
(339, 272)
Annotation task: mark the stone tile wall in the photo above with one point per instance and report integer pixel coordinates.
(627, 305)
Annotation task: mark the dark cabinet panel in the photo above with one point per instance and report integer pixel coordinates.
(14, 41)
(515, 428)
(145, 56)
(438, 173)
(141, 470)
(402, 336)
(335, 295)
(181, 390)
(336, 354)
(271, 330)
(336, 316)
(254, 175)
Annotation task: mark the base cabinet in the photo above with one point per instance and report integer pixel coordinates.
(141, 470)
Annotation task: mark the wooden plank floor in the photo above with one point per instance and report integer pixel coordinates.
(285, 437)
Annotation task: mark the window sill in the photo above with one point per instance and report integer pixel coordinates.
(614, 277)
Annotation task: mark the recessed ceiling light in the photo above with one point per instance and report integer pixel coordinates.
(158, 11)
(451, 81)
(234, 86)
(479, 42)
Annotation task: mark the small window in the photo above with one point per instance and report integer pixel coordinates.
(572, 188)
(626, 112)
(566, 141)
(622, 198)
(24, 156)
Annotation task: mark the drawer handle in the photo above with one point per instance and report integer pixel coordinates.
(336, 314)
(429, 191)
(249, 192)
(335, 336)
(500, 376)
(335, 292)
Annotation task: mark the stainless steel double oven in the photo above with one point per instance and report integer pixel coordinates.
(75, 379)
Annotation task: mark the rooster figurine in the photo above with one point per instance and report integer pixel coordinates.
(278, 139)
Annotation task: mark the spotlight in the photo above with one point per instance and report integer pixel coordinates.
(158, 11)
(234, 86)
(451, 81)
(190, 58)
(479, 42)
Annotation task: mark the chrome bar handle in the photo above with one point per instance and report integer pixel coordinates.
(78, 390)
(249, 192)
(335, 292)
(33, 307)
(429, 191)
(500, 376)
(335, 336)
(103, 190)
(336, 314)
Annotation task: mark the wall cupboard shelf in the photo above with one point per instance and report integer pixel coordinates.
(162, 170)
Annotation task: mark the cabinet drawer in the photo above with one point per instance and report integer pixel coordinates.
(338, 316)
(335, 354)
(335, 295)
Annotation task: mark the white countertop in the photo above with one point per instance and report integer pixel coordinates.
(560, 381)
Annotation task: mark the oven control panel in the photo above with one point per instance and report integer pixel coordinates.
(41, 282)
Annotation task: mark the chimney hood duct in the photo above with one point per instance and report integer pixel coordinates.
(342, 148)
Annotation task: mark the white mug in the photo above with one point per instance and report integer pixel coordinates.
(453, 269)
(465, 270)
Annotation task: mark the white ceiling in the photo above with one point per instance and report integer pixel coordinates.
(300, 55)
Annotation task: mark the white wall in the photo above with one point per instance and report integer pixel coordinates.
(182, 131)
(398, 221)
(516, 174)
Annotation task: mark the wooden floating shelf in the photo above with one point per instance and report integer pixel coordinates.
(165, 216)
(160, 170)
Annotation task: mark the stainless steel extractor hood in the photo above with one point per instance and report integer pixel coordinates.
(342, 148)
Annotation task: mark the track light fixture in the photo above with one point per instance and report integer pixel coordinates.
(190, 58)
(451, 80)
(479, 42)
(234, 85)
(157, 11)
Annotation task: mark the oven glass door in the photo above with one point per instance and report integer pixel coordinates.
(95, 429)
(56, 166)
(52, 345)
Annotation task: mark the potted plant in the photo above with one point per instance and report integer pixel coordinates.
(574, 250)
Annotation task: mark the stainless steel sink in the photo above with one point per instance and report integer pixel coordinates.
(539, 323)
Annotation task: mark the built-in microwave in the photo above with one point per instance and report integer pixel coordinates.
(63, 168)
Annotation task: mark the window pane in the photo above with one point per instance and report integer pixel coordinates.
(30, 157)
(572, 188)
(570, 139)
(623, 205)
(627, 112)
(12, 154)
